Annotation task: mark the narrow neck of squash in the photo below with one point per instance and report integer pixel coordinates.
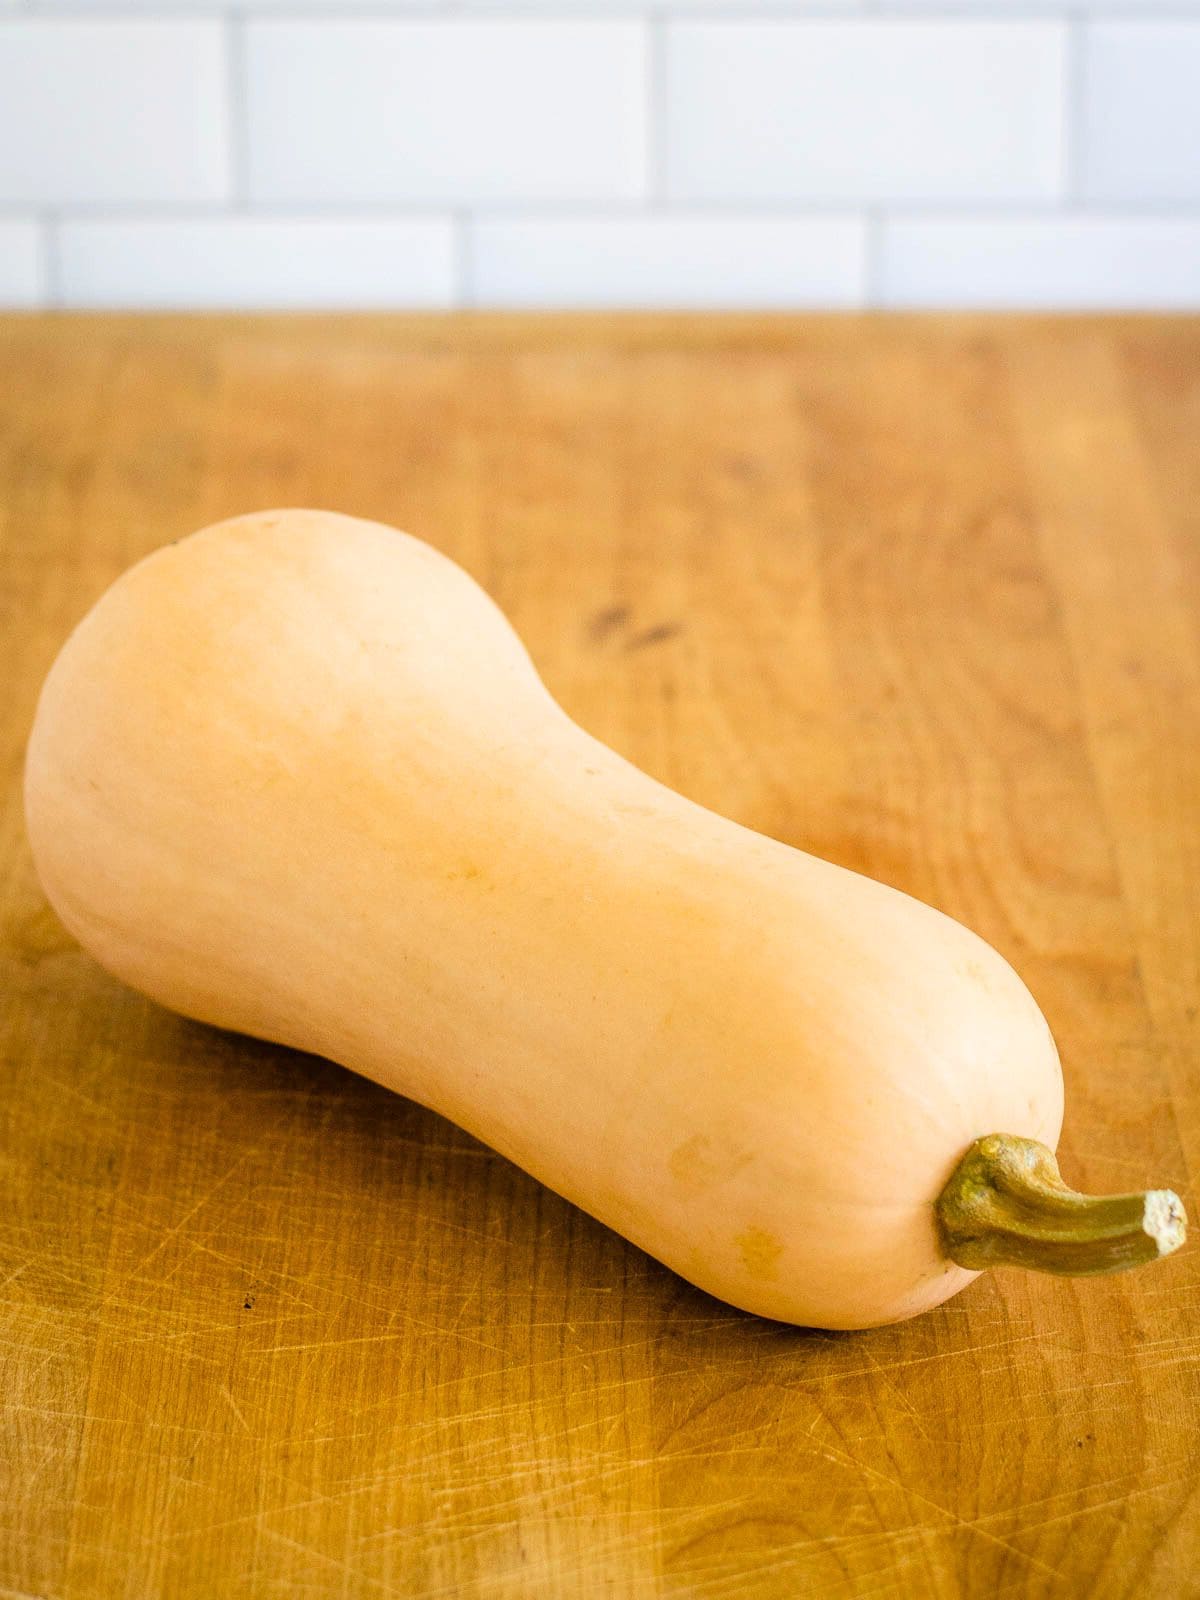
(1007, 1205)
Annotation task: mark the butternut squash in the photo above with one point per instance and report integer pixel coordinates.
(296, 776)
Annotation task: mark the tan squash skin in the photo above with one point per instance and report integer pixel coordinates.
(297, 776)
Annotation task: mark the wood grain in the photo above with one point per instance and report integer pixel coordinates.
(921, 595)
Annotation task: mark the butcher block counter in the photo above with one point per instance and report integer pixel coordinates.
(919, 595)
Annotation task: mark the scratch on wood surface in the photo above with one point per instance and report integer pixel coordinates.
(146, 1424)
(1049, 1499)
(1118, 1502)
(731, 1575)
(205, 1199)
(323, 1558)
(204, 1530)
(235, 1408)
(895, 1390)
(269, 1274)
(72, 1091)
(55, 1265)
(14, 1274)
(950, 1354)
(322, 1276)
(374, 1338)
(112, 1298)
(908, 1491)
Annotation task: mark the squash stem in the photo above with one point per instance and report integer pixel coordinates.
(1007, 1205)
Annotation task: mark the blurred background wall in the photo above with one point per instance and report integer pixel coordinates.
(559, 153)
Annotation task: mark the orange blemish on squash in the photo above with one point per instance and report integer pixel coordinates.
(701, 1161)
(760, 1252)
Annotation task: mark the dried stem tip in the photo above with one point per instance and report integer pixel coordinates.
(1006, 1205)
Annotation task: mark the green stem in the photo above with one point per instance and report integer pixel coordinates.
(1006, 1205)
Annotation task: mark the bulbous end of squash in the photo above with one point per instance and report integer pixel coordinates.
(1007, 1205)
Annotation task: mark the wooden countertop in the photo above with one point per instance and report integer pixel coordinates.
(921, 595)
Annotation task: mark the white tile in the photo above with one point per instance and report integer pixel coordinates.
(22, 264)
(669, 261)
(453, 111)
(1142, 111)
(902, 109)
(642, 7)
(112, 111)
(1024, 7)
(1042, 262)
(244, 263)
(332, 7)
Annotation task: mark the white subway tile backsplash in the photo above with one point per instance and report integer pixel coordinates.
(112, 111)
(669, 261)
(333, 8)
(1060, 8)
(245, 263)
(642, 7)
(690, 153)
(1053, 262)
(865, 110)
(22, 264)
(1142, 111)
(447, 112)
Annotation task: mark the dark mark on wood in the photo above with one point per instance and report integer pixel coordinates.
(607, 621)
(657, 635)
